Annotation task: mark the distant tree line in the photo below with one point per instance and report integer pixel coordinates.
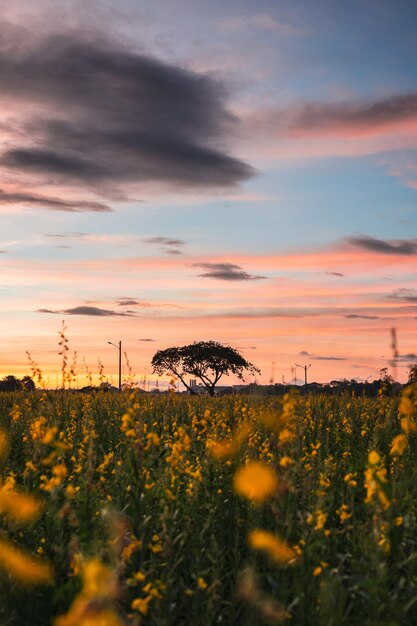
(12, 383)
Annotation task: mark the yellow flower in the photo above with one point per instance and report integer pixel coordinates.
(20, 507)
(70, 491)
(98, 579)
(286, 436)
(277, 549)
(201, 583)
(317, 571)
(256, 481)
(399, 445)
(23, 567)
(286, 461)
(141, 605)
(374, 458)
(60, 471)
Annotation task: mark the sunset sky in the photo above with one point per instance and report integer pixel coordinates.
(174, 171)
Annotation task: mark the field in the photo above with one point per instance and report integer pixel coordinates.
(140, 509)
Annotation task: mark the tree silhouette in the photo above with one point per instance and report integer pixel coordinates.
(206, 360)
(412, 374)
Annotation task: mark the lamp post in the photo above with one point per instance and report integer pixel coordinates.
(119, 347)
(305, 368)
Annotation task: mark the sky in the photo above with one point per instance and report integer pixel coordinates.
(237, 171)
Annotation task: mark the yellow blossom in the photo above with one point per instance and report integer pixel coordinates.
(374, 458)
(399, 444)
(141, 604)
(286, 436)
(256, 481)
(23, 567)
(98, 579)
(201, 583)
(19, 506)
(275, 547)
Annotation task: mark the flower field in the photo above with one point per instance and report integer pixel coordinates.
(143, 509)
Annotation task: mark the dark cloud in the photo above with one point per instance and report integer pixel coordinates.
(88, 310)
(225, 271)
(404, 295)
(334, 274)
(165, 241)
(111, 116)
(328, 358)
(168, 244)
(146, 339)
(394, 246)
(361, 317)
(54, 204)
(133, 302)
(406, 357)
(316, 357)
(366, 115)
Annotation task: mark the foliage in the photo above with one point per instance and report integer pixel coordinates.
(137, 514)
(206, 360)
(412, 374)
(11, 383)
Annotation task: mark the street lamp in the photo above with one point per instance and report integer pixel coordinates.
(305, 368)
(119, 347)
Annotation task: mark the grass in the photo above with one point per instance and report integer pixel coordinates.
(141, 523)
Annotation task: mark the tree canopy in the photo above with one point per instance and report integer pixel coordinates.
(11, 383)
(412, 374)
(207, 361)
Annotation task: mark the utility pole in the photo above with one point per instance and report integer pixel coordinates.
(119, 347)
(305, 368)
(295, 373)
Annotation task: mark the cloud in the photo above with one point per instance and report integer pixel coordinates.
(316, 357)
(361, 317)
(88, 310)
(107, 116)
(404, 295)
(168, 244)
(406, 357)
(165, 241)
(65, 236)
(50, 203)
(133, 302)
(363, 117)
(405, 247)
(147, 339)
(225, 271)
(334, 274)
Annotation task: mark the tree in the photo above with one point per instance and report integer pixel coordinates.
(206, 360)
(10, 383)
(27, 383)
(412, 374)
